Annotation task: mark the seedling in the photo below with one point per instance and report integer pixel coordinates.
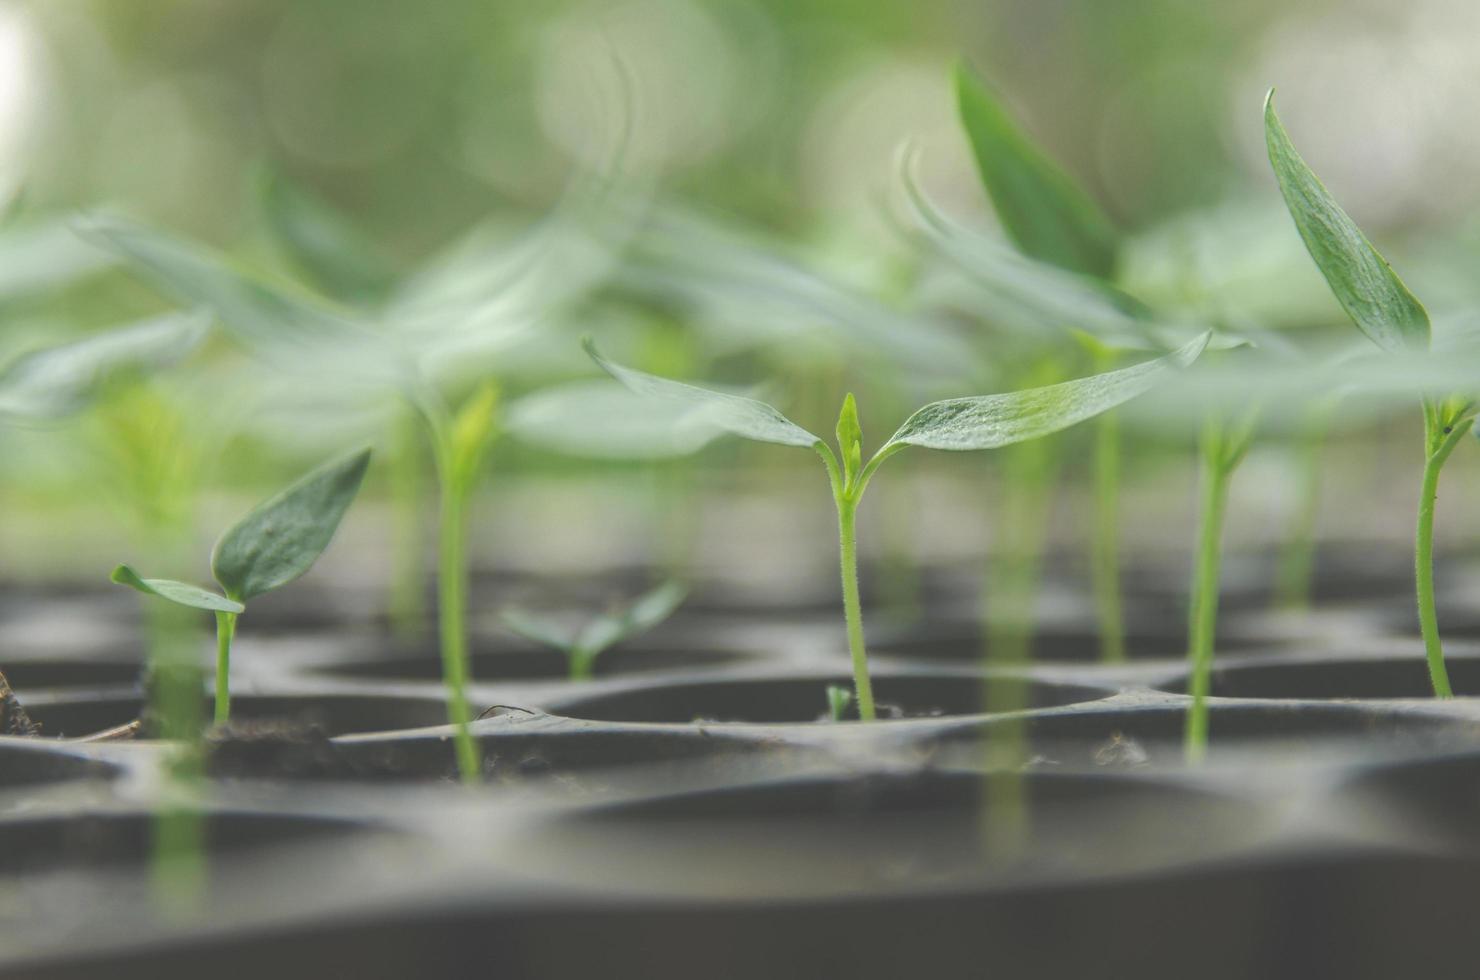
(273, 545)
(979, 422)
(839, 700)
(1052, 220)
(1384, 309)
(603, 632)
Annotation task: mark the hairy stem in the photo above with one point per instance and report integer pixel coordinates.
(1217, 469)
(225, 630)
(1440, 440)
(1105, 545)
(852, 606)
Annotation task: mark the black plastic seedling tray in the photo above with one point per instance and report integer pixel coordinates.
(689, 813)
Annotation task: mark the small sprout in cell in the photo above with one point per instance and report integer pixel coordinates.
(582, 647)
(270, 547)
(839, 700)
(977, 422)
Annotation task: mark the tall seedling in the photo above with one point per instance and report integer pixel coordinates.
(1384, 309)
(1052, 220)
(979, 422)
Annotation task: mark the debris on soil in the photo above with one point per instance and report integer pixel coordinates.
(118, 733)
(1121, 750)
(13, 717)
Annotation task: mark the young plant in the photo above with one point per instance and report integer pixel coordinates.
(979, 422)
(603, 632)
(273, 545)
(1052, 220)
(839, 700)
(434, 333)
(1384, 309)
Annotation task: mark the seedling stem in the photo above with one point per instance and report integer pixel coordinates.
(225, 631)
(1441, 434)
(1221, 451)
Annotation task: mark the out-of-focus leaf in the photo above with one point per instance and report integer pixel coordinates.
(282, 537)
(472, 431)
(645, 612)
(599, 420)
(321, 242)
(739, 416)
(181, 593)
(37, 257)
(1046, 213)
(54, 381)
(1361, 279)
(991, 421)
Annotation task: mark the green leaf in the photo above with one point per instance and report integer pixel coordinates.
(1043, 210)
(284, 536)
(743, 417)
(537, 629)
(1364, 284)
(839, 700)
(55, 381)
(472, 431)
(850, 438)
(320, 242)
(596, 419)
(181, 593)
(643, 614)
(991, 421)
(1020, 291)
(262, 316)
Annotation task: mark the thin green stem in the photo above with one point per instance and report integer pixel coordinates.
(452, 599)
(225, 630)
(1297, 558)
(1105, 545)
(1217, 470)
(407, 493)
(582, 664)
(852, 606)
(1440, 440)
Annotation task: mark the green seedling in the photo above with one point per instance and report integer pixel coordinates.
(1384, 309)
(600, 634)
(839, 700)
(434, 333)
(1052, 220)
(273, 545)
(972, 423)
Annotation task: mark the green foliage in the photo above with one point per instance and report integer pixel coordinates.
(1361, 279)
(282, 537)
(180, 593)
(472, 432)
(1043, 210)
(744, 417)
(839, 700)
(55, 381)
(993, 421)
(320, 242)
(602, 632)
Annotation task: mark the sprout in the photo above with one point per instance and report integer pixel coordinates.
(270, 547)
(602, 632)
(959, 424)
(1384, 309)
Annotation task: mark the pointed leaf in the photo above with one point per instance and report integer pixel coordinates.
(472, 431)
(54, 381)
(181, 593)
(321, 242)
(284, 536)
(262, 316)
(1364, 284)
(990, 421)
(1043, 210)
(642, 615)
(850, 437)
(537, 629)
(743, 417)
